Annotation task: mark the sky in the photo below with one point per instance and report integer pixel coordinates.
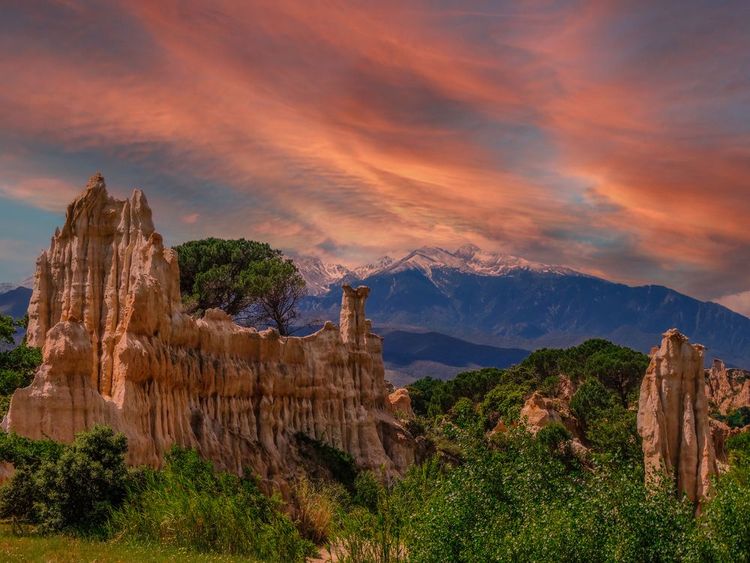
(610, 137)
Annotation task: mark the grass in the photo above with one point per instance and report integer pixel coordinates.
(63, 549)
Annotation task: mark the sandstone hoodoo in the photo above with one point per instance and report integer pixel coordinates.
(118, 350)
(673, 417)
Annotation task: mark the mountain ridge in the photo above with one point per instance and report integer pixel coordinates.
(513, 303)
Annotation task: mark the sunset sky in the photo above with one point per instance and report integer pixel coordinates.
(611, 137)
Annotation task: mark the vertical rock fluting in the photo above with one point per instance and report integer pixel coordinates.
(673, 417)
(118, 350)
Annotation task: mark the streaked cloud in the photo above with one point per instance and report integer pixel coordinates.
(609, 136)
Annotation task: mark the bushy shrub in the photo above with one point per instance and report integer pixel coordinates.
(17, 368)
(74, 488)
(553, 435)
(589, 400)
(192, 506)
(519, 502)
(738, 418)
(337, 463)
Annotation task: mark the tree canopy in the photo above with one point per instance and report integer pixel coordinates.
(7, 329)
(247, 279)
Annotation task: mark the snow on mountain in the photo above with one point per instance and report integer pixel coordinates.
(320, 276)
(469, 259)
(5, 287)
(367, 270)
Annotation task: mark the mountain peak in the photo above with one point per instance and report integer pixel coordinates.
(469, 259)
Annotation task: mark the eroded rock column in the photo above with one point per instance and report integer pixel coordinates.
(673, 417)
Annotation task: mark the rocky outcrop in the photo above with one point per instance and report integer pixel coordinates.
(118, 350)
(727, 389)
(539, 411)
(673, 417)
(400, 402)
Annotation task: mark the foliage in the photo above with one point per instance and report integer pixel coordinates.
(338, 463)
(590, 398)
(553, 435)
(432, 397)
(190, 505)
(723, 531)
(23, 452)
(17, 366)
(32, 546)
(276, 287)
(618, 368)
(247, 279)
(7, 329)
(75, 491)
(738, 418)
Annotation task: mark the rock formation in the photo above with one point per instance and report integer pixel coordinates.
(539, 411)
(400, 402)
(673, 417)
(727, 389)
(118, 350)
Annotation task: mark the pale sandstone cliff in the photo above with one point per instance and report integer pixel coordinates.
(400, 402)
(673, 417)
(727, 389)
(118, 350)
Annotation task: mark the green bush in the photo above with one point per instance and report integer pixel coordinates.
(17, 368)
(339, 464)
(192, 506)
(589, 400)
(73, 491)
(738, 418)
(553, 435)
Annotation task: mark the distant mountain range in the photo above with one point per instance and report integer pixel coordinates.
(14, 301)
(509, 302)
(411, 355)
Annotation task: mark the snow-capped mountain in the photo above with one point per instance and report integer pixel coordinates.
(468, 259)
(320, 276)
(506, 301)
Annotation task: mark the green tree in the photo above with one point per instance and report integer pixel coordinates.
(248, 280)
(7, 329)
(589, 400)
(275, 287)
(619, 368)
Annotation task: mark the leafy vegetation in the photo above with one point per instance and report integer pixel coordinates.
(18, 364)
(48, 490)
(484, 496)
(190, 505)
(738, 418)
(249, 280)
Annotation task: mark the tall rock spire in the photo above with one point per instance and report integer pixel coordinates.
(673, 417)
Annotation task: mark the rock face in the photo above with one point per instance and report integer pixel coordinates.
(118, 350)
(539, 411)
(673, 417)
(727, 389)
(400, 402)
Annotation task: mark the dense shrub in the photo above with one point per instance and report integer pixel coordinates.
(738, 418)
(17, 367)
(338, 464)
(71, 489)
(589, 400)
(190, 505)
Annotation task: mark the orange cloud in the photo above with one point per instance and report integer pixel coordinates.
(568, 134)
